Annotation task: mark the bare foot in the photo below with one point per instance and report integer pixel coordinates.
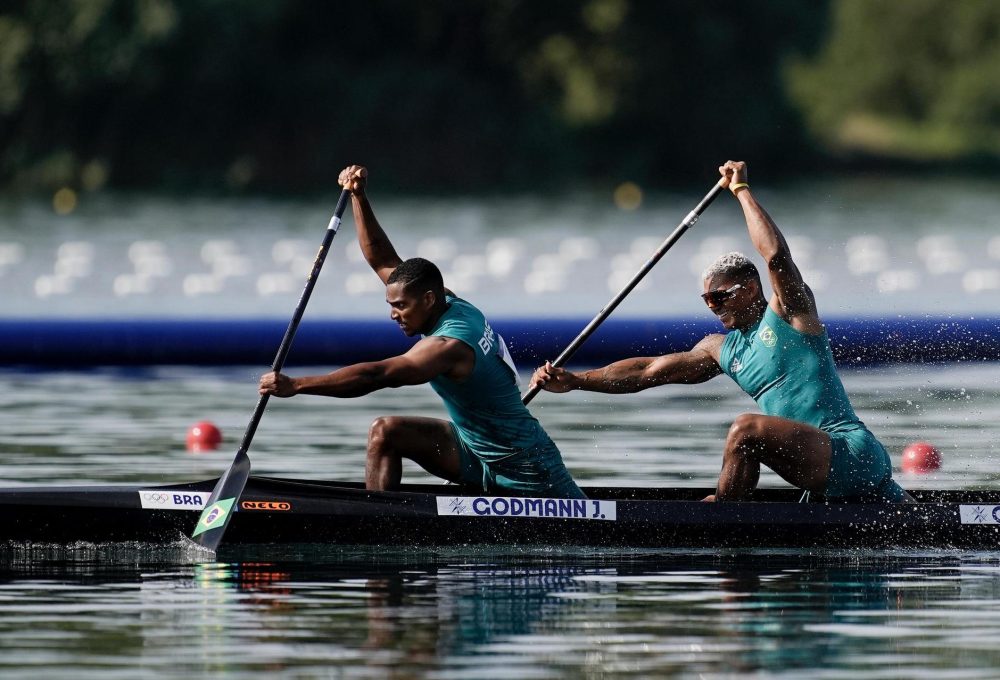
(708, 499)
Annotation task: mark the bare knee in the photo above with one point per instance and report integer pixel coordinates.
(745, 436)
(380, 434)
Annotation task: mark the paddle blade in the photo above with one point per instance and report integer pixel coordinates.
(219, 510)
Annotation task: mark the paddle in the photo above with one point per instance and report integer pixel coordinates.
(219, 508)
(686, 224)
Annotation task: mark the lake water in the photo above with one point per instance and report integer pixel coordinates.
(375, 615)
(100, 611)
(870, 247)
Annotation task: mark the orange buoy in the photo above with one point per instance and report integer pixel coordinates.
(921, 457)
(203, 436)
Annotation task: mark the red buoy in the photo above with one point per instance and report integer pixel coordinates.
(921, 457)
(203, 436)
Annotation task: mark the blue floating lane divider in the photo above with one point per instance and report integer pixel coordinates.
(117, 342)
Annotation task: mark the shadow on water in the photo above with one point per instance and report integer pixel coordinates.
(387, 612)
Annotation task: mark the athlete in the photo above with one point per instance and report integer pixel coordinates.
(778, 352)
(492, 442)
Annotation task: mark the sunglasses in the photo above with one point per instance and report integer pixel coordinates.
(717, 297)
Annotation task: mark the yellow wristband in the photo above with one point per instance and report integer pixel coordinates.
(736, 187)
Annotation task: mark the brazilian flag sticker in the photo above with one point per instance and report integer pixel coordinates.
(767, 336)
(214, 515)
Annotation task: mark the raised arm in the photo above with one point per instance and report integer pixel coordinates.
(697, 365)
(429, 358)
(793, 300)
(375, 245)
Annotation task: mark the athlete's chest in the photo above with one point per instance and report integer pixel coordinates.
(765, 356)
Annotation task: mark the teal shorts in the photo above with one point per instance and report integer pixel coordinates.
(538, 471)
(860, 468)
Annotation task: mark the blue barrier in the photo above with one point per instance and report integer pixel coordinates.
(95, 342)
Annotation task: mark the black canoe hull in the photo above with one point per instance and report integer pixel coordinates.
(280, 511)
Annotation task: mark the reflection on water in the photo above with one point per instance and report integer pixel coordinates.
(128, 611)
(311, 613)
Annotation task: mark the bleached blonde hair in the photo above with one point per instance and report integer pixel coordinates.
(731, 265)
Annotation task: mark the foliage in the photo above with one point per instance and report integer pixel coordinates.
(915, 79)
(278, 95)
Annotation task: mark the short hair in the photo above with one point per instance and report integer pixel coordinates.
(732, 265)
(417, 273)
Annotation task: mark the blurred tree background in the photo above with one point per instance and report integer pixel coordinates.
(480, 95)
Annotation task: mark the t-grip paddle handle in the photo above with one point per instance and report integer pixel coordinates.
(219, 509)
(686, 223)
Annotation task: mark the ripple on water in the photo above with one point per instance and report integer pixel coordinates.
(90, 611)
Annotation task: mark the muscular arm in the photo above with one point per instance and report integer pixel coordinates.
(792, 293)
(697, 365)
(793, 300)
(375, 245)
(429, 358)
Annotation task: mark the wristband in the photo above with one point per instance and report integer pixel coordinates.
(736, 187)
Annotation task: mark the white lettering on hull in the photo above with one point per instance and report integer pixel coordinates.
(507, 506)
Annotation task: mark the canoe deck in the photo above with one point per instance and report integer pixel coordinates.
(283, 511)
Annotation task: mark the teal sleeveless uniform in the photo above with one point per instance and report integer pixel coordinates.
(792, 375)
(503, 447)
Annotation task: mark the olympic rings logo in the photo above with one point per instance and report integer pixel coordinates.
(156, 497)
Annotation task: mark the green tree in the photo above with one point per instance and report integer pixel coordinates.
(60, 64)
(913, 79)
(277, 95)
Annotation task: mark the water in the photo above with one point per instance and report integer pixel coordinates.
(371, 615)
(125, 425)
(872, 247)
(133, 611)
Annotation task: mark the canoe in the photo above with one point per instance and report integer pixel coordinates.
(284, 511)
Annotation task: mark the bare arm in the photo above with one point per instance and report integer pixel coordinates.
(793, 300)
(429, 358)
(375, 245)
(697, 365)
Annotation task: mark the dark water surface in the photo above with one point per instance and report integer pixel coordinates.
(90, 612)
(132, 611)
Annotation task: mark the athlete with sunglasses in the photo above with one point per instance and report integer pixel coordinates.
(778, 352)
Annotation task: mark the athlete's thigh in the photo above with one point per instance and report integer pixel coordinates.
(429, 442)
(798, 452)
